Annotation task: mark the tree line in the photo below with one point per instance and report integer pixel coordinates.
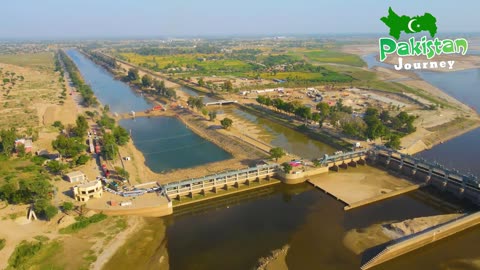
(146, 82)
(85, 90)
(374, 123)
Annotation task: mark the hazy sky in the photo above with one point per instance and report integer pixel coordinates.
(143, 18)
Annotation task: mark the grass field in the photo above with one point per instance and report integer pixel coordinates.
(328, 56)
(42, 60)
(16, 169)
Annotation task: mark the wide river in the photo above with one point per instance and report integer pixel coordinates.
(234, 232)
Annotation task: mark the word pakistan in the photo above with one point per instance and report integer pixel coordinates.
(412, 47)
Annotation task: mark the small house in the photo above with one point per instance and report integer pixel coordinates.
(27, 144)
(76, 176)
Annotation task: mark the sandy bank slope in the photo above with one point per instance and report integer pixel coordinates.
(361, 239)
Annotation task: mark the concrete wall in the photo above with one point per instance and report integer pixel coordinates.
(427, 237)
(297, 178)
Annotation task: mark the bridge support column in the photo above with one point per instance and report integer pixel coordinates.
(444, 185)
(214, 189)
(401, 164)
(362, 161)
(334, 168)
(247, 182)
(352, 163)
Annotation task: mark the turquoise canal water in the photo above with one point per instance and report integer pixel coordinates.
(166, 143)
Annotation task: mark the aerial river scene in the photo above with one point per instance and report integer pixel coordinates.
(267, 136)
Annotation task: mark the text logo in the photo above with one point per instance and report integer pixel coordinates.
(410, 25)
(413, 47)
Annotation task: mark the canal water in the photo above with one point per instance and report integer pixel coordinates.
(235, 234)
(290, 140)
(166, 143)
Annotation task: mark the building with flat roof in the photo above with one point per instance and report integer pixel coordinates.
(76, 176)
(87, 191)
(27, 143)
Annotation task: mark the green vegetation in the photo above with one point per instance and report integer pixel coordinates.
(212, 115)
(89, 98)
(195, 102)
(226, 123)
(122, 172)
(23, 252)
(287, 168)
(45, 209)
(2, 243)
(35, 255)
(67, 206)
(7, 144)
(328, 56)
(295, 67)
(83, 222)
(43, 60)
(276, 153)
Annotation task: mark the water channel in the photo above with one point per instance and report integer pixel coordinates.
(235, 233)
(166, 143)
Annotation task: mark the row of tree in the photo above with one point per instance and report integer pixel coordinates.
(294, 107)
(373, 125)
(146, 82)
(88, 96)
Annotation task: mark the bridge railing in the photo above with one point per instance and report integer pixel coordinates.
(434, 167)
(343, 156)
(221, 176)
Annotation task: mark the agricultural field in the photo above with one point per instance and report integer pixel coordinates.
(28, 86)
(332, 57)
(206, 64)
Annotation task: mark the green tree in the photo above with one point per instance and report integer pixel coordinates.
(212, 115)
(50, 211)
(133, 75)
(20, 150)
(56, 167)
(45, 209)
(228, 86)
(226, 123)
(82, 159)
(81, 126)
(110, 148)
(204, 111)
(276, 153)
(201, 82)
(393, 142)
(121, 135)
(8, 137)
(287, 168)
(68, 147)
(147, 80)
(67, 206)
(58, 125)
(122, 172)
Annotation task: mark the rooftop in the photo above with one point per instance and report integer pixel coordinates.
(74, 174)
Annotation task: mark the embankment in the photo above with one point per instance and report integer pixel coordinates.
(415, 241)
